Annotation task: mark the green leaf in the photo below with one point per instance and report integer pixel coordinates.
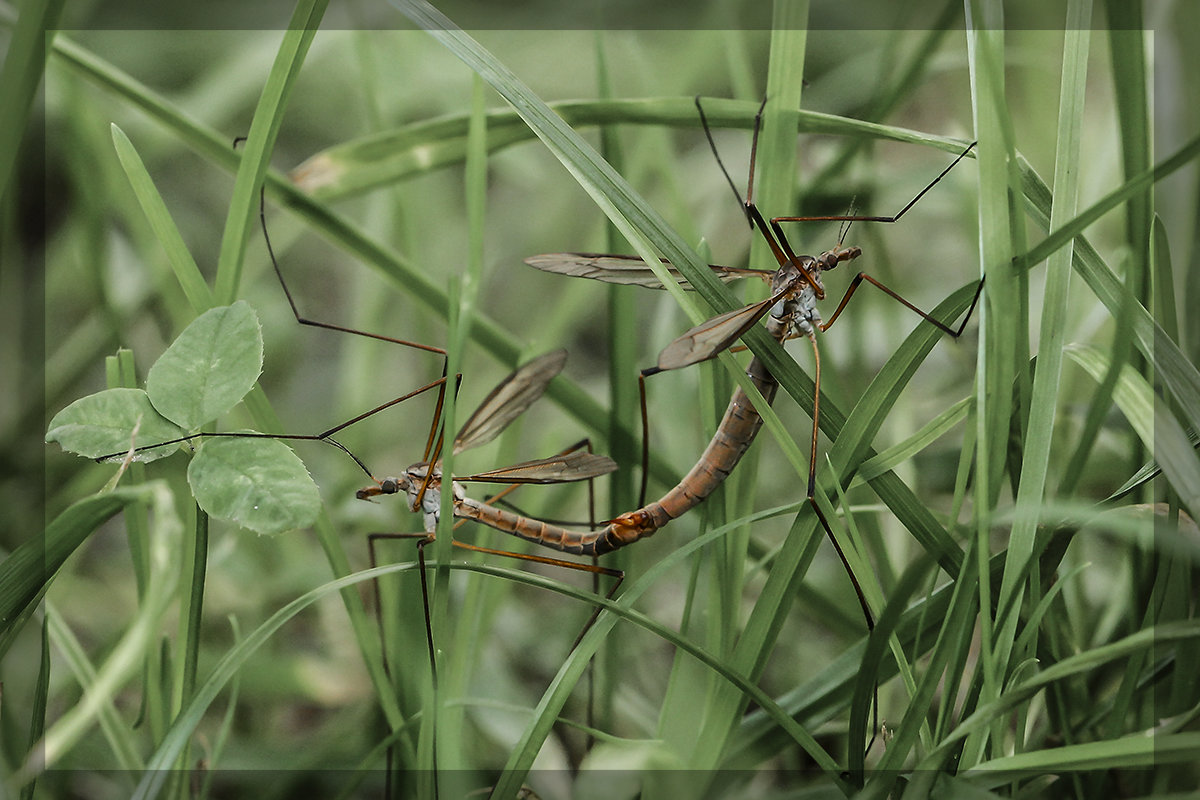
(258, 483)
(104, 423)
(209, 368)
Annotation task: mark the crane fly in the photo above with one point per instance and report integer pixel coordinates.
(791, 312)
(424, 482)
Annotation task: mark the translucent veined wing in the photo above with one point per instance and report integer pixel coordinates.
(508, 400)
(714, 335)
(556, 469)
(628, 270)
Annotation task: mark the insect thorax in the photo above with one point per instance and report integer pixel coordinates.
(798, 310)
(431, 501)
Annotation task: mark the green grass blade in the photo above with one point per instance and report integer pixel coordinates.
(24, 63)
(1044, 396)
(1117, 197)
(183, 727)
(126, 656)
(186, 271)
(521, 759)
(1163, 278)
(1000, 323)
(37, 720)
(1144, 752)
(777, 155)
(259, 142)
(887, 460)
(354, 167)
(1173, 367)
(117, 734)
(26, 572)
(1079, 663)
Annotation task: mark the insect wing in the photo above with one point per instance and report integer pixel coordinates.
(627, 270)
(509, 400)
(556, 469)
(712, 336)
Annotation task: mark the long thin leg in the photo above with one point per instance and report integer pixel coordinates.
(597, 571)
(783, 244)
(594, 568)
(303, 320)
(894, 217)
(423, 539)
(812, 501)
(324, 436)
(300, 318)
(862, 276)
(645, 440)
(437, 435)
(773, 234)
(712, 145)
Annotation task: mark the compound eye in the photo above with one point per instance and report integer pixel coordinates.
(389, 486)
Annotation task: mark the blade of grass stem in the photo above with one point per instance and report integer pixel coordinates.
(264, 128)
(24, 64)
(1047, 379)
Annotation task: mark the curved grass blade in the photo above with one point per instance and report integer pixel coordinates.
(371, 162)
(1155, 425)
(264, 128)
(26, 572)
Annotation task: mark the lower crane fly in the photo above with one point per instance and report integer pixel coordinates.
(423, 481)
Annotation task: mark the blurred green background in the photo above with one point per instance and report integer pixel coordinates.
(305, 703)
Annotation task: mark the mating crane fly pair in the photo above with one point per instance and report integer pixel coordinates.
(796, 287)
(791, 312)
